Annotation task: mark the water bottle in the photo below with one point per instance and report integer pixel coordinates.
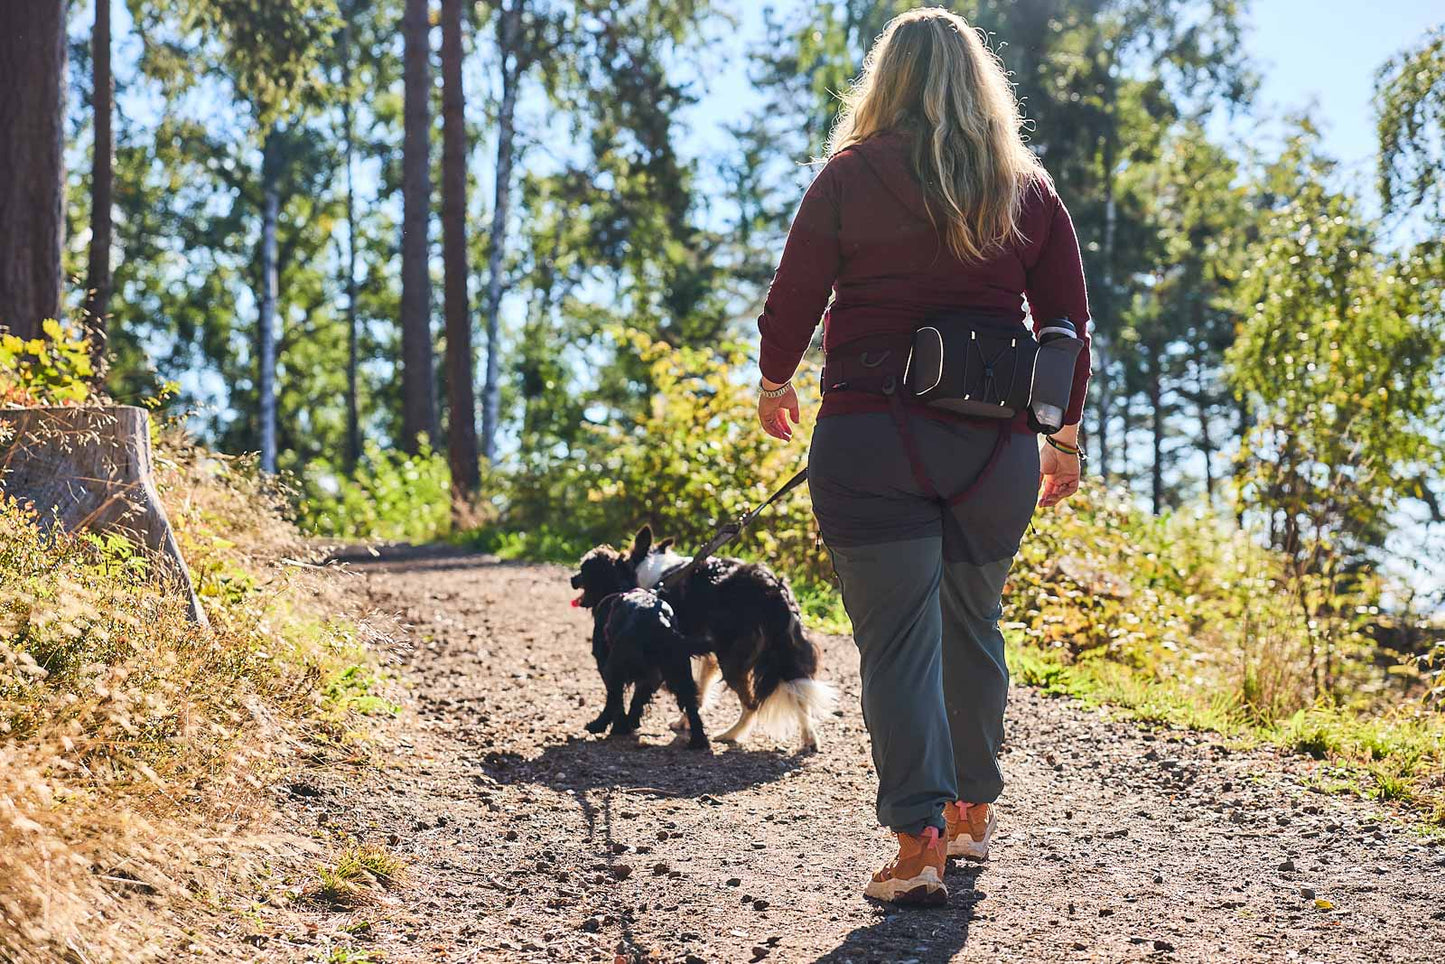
(1059, 346)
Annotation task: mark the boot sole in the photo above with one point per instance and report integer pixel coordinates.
(924, 890)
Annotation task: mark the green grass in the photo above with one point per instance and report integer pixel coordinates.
(1390, 757)
(354, 876)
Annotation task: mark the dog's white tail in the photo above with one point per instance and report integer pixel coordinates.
(798, 703)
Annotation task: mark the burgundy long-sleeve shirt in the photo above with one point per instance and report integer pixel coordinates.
(863, 236)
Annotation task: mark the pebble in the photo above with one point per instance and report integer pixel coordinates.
(660, 868)
(735, 881)
(1308, 893)
(622, 871)
(1287, 865)
(760, 904)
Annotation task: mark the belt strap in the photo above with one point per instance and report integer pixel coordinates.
(920, 471)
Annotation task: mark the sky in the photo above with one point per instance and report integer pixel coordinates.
(1325, 53)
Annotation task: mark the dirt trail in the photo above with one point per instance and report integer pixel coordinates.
(530, 841)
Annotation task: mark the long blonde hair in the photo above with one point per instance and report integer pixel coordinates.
(931, 76)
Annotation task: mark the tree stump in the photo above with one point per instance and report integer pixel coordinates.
(90, 469)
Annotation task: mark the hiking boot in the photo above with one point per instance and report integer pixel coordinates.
(969, 828)
(916, 875)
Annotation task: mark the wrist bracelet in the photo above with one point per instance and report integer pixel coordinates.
(778, 392)
(1077, 453)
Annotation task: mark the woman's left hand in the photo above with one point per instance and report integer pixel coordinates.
(773, 412)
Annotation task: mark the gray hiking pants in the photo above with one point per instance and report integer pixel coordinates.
(924, 597)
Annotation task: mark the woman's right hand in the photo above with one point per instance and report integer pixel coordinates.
(773, 412)
(1059, 472)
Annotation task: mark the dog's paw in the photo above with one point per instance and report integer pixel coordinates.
(597, 725)
(699, 741)
(624, 729)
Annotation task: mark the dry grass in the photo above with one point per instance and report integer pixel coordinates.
(135, 748)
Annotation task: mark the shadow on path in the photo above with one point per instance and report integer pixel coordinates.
(927, 935)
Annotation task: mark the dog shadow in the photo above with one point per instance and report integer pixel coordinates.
(644, 766)
(926, 935)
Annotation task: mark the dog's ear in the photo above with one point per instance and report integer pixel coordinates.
(665, 544)
(641, 543)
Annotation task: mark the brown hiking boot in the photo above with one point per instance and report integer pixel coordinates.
(969, 828)
(916, 875)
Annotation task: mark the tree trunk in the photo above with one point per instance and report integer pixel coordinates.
(461, 400)
(353, 335)
(1156, 427)
(266, 322)
(418, 407)
(1206, 439)
(32, 162)
(90, 469)
(509, 36)
(102, 163)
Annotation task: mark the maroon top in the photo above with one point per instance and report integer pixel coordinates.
(863, 232)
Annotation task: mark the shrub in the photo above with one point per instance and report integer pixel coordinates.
(53, 370)
(392, 495)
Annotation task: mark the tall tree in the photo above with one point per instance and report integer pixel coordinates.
(352, 455)
(513, 61)
(102, 163)
(461, 399)
(272, 161)
(32, 162)
(418, 412)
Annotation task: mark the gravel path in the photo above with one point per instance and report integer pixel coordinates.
(528, 840)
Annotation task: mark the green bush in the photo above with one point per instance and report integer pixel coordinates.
(692, 459)
(392, 495)
(54, 370)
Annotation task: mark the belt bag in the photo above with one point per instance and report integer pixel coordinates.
(994, 370)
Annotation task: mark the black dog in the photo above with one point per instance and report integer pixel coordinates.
(636, 643)
(743, 620)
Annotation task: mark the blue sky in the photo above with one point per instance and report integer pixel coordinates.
(1325, 52)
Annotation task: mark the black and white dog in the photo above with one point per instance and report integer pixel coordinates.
(741, 620)
(636, 643)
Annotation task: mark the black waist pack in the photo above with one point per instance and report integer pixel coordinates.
(994, 370)
(975, 365)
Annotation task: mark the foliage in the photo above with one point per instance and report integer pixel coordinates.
(133, 739)
(51, 370)
(391, 495)
(1340, 356)
(1410, 116)
(691, 458)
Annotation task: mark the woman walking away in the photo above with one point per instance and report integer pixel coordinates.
(931, 224)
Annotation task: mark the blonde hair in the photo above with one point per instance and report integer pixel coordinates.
(931, 76)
